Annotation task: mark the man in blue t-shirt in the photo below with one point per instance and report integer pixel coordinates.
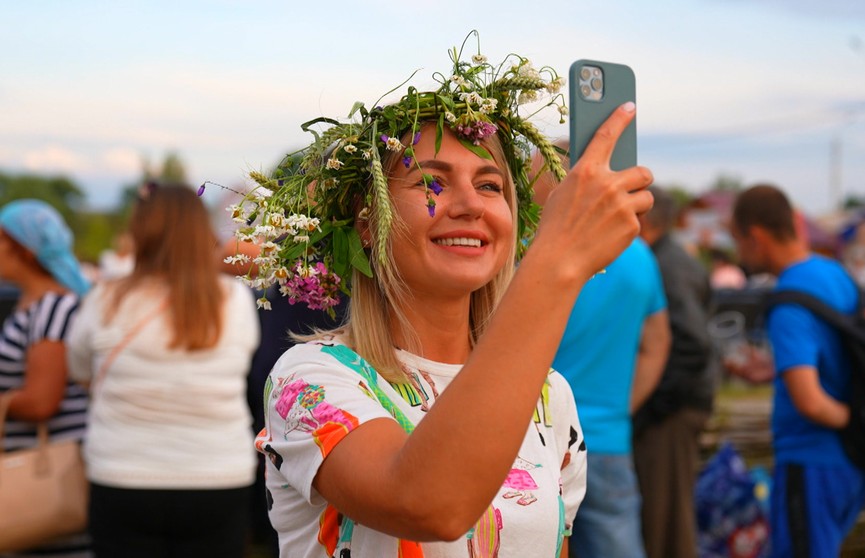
(612, 353)
(817, 492)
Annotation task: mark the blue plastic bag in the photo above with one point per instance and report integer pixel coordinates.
(731, 521)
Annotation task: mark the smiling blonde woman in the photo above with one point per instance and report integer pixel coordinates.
(431, 423)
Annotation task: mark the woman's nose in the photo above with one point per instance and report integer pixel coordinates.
(465, 201)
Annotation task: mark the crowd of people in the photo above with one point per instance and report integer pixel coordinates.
(458, 403)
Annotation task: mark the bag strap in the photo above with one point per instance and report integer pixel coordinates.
(130, 335)
(830, 315)
(5, 401)
(41, 427)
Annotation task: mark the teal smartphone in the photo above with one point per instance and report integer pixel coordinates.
(596, 90)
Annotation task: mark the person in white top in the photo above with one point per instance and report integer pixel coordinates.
(431, 424)
(166, 351)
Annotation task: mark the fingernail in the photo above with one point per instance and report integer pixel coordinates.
(629, 107)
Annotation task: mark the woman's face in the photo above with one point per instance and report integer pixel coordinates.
(10, 257)
(470, 237)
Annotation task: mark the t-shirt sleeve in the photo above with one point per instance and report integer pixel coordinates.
(793, 332)
(657, 300)
(52, 318)
(312, 402)
(571, 446)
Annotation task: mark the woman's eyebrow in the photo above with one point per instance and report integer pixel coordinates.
(435, 164)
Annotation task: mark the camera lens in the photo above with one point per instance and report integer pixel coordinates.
(585, 73)
(597, 84)
(586, 91)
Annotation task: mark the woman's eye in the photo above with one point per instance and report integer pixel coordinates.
(490, 187)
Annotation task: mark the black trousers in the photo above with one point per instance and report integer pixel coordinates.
(129, 523)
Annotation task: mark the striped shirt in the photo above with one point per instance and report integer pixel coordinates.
(48, 319)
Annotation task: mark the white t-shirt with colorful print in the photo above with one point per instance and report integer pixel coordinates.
(319, 392)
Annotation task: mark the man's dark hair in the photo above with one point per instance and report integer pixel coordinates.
(766, 206)
(665, 210)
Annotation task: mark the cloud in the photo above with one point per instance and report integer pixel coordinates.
(54, 159)
(121, 160)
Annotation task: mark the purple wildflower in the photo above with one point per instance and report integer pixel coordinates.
(315, 286)
(416, 138)
(384, 138)
(201, 190)
(435, 187)
(406, 161)
(431, 207)
(476, 131)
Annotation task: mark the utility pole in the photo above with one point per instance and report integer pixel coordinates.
(835, 166)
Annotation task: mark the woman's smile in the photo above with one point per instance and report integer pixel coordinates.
(465, 241)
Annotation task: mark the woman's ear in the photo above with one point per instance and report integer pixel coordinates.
(361, 224)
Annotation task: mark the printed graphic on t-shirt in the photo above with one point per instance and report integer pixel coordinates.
(485, 538)
(520, 483)
(304, 409)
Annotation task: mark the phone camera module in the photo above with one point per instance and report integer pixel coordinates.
(591, 83)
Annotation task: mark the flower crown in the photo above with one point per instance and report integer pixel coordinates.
(305, 212)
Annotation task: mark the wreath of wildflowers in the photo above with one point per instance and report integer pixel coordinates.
(304, 214)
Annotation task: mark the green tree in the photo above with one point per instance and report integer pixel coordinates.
(853, 201)
(681, 194)
(93, 232)
(58, 191)
(727, 182)
(172, 171)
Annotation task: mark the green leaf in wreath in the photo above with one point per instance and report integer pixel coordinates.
(341, 257)
(358, 257)
(478, 150)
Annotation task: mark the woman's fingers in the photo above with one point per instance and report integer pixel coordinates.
(600, 149)
(642, 201)
(637, 178)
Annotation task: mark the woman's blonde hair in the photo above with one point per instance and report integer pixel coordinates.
(376, 300)
(175, 244)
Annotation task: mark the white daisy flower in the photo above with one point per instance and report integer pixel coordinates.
(393, 144)
(527, 96)
(459, 80)
(555, 85)
(488, 106)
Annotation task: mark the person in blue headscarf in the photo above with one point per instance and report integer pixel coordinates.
(36, 256)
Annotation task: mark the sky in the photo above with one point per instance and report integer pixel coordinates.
(755, 90)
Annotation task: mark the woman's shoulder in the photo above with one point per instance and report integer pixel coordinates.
(54, 304)
(233, 288)
(238, 298)
(329, 352)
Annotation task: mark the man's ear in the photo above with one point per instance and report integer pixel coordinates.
(760, 235)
